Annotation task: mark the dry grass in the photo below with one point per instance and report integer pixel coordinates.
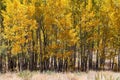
(91, 75)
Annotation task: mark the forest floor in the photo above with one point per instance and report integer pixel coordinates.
(91, 75)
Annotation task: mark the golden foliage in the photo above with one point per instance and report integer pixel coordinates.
(18, 23)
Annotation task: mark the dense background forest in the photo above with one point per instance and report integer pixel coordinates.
(59, 35)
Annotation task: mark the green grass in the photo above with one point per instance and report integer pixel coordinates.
(25, 74)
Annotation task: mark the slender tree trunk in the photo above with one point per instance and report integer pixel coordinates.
(119, 60)
(74, 57)
(97, 55)
(97, 60)
(90, 52)
(41, 52)
(55, 64)
(1, 62)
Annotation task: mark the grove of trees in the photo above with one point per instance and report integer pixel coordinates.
(59, 35)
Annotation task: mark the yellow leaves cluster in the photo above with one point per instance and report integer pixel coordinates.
(64, 55)
(56, 15)
(67, 54)
(16, 49)
(88, 22)
(66, 21)
(114, 16)
(65, 3)
(18, 23)
(89, 6)
(30, 10)
(73, 35)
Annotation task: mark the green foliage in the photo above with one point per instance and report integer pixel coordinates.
(25, 74)
(3, 50)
